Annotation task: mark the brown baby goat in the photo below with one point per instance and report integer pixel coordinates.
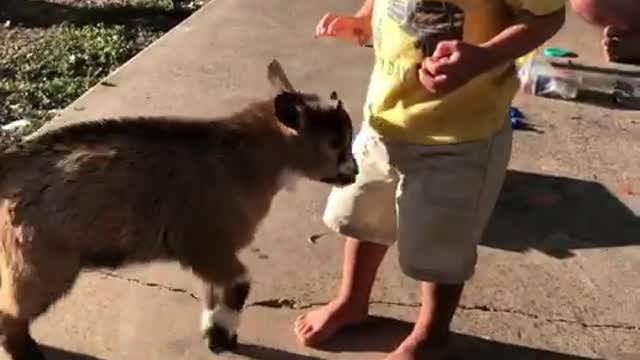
(135, 190)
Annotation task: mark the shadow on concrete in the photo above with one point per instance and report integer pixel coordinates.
(556, 215)
(528, 127)
(39, 14)
(604, 100)
(250, 351)
(384, 334)
(263, 353)
(59, 354)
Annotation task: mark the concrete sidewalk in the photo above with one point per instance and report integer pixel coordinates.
(559, 282)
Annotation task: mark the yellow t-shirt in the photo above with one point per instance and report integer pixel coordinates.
(404, 32)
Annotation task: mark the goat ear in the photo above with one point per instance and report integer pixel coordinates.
(278, 78)
(287, 107)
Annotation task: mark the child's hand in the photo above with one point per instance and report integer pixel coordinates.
(453, 64)
(350, 28)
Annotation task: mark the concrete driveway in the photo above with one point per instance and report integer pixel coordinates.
(557, 279)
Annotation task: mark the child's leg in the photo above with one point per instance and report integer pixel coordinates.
(431, 333)
(365, 211)
(351, 305)
(445, 198)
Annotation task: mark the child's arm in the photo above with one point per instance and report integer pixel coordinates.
(354, 28)
(528, 33)
(366, 10)
(454, 63)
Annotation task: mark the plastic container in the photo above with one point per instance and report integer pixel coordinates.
(541, 77)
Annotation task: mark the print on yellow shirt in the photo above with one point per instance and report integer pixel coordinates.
(404, 32)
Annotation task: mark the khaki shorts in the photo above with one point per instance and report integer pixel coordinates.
(435, 200)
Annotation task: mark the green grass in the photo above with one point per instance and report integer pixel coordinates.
(47, 75)
(162, 4)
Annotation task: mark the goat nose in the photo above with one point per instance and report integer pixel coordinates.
(348, 167)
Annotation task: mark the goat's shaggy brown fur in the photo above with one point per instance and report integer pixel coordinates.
(115, 192)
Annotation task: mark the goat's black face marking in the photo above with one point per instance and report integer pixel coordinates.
(287, 109)
(325, 125)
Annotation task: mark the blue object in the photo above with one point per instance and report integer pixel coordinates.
(517, 118)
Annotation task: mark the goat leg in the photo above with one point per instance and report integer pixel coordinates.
(223, 305)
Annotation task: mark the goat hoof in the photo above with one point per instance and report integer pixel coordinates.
(221, 340)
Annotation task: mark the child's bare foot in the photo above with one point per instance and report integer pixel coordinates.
(319, 325)
(621, 45)
(415, 347)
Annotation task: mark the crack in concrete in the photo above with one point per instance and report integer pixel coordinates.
(283, 303)
(149, 284)
(586, 325)
(293, 304)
